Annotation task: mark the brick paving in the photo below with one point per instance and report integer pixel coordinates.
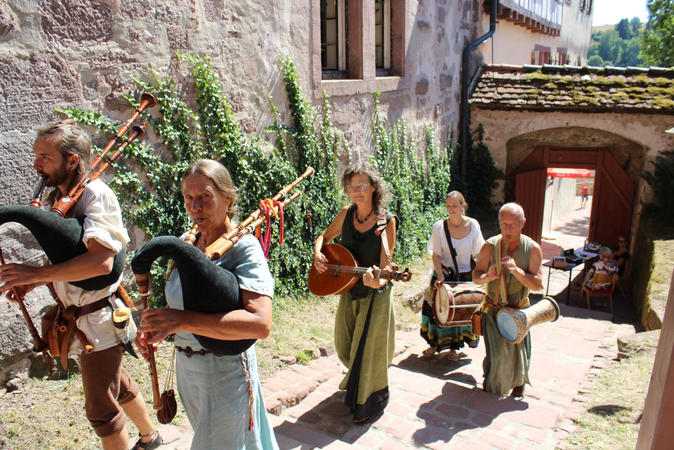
(439, 404)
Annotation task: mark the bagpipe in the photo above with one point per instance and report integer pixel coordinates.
(206, 287)
(61, 237)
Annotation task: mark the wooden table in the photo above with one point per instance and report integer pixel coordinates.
(587, 257)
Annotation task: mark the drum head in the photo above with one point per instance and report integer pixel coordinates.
(441, 301)
(507, 326)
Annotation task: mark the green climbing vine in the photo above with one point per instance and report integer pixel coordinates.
(148, 177)
(417, 185)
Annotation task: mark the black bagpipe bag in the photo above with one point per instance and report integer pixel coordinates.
(206, 287)
(61, 240)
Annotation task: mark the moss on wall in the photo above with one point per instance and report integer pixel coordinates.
(650, 271)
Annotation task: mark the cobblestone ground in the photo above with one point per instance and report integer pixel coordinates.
(439, 404)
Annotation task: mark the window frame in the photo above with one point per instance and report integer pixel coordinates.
(387, 68)
(341, 40)
(361, 75)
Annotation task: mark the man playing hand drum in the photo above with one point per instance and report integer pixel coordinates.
(518, 258)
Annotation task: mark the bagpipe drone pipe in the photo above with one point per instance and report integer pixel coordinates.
(61, 237)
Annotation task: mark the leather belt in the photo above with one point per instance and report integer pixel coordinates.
(75, 312)
(188, 351)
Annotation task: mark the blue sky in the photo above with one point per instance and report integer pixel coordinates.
(607, 12)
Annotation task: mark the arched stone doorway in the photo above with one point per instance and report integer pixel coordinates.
(616, 160)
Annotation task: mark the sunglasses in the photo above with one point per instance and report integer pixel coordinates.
(620, 240)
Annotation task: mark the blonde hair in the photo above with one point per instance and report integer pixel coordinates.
(220, 177)
(462, 200)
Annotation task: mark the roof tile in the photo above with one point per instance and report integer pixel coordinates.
(563, 87)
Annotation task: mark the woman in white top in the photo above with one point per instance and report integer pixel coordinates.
(467, 241)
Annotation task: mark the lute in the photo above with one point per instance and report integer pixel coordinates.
(343, 272)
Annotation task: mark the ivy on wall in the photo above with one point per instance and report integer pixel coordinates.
(148, 178)
(417, 185)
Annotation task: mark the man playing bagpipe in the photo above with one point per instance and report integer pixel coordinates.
(62, 155)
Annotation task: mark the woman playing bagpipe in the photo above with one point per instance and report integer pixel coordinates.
(365, 321)
(62, 153)
(217, 382)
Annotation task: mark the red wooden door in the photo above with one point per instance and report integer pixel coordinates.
(530, 193)
(612, 201)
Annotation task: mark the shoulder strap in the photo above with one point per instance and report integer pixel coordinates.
(381, 229)
(451, 248)
(498, 248)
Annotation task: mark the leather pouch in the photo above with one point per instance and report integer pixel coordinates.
(476, 322)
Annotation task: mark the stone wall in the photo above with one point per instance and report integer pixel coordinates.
(83, 53)
(633, 139)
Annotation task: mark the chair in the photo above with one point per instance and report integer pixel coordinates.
(591, 291)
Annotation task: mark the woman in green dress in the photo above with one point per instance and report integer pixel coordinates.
(365, 320)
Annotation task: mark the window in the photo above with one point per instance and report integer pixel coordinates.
(540, 55)
(562, 56)
(358, 46)
(333, 38)
(586, 5)
(382, 37)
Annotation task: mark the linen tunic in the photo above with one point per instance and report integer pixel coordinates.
(506, 365)
(214, 389)
(465, 247)
(103, 223)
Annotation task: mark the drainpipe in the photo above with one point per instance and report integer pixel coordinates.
(465, 82)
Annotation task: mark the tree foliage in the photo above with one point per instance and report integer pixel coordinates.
(657, 40)
(624, 30)
(417, 180)
(481, 174)
(618, 47)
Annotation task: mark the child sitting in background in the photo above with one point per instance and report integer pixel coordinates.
(604, 265)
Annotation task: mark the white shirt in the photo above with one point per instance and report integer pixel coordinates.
(103, 222)
(465, 248)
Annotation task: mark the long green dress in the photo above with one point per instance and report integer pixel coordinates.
(365, 329)
(506, 365)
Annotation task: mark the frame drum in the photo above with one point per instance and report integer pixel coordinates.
(453, 305)
(511, 325)
(514, 324)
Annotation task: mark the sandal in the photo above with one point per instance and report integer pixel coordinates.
(369, 419)
(151, 445)
(430, 351)
(453, 355)
(518, 391)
